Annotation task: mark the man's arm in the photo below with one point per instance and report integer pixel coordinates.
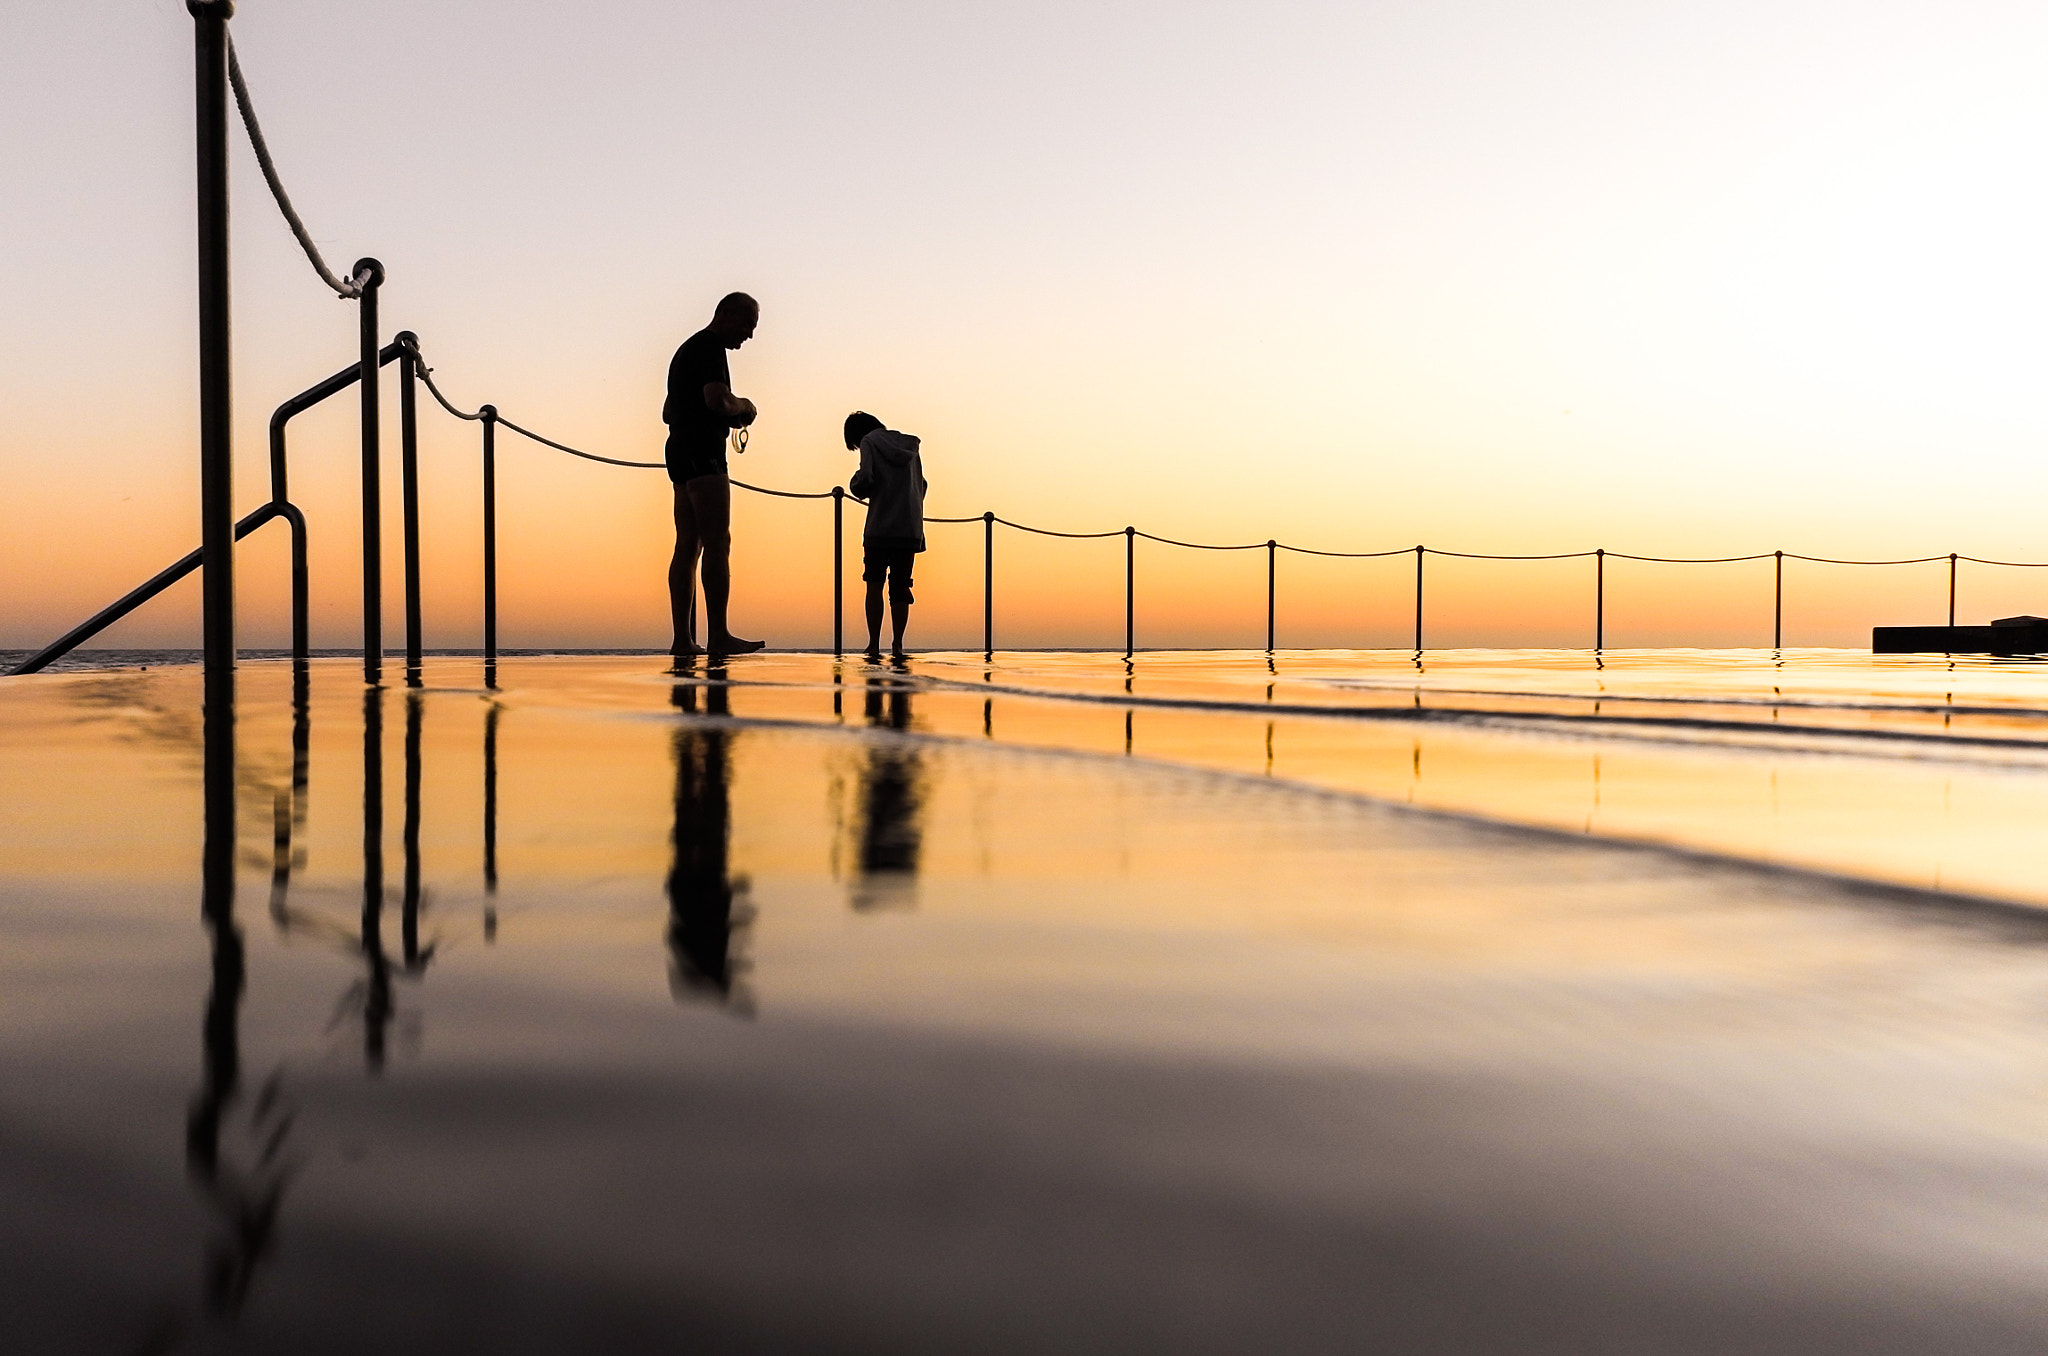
(738, 410)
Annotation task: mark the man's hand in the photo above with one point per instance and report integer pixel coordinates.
(741, 409)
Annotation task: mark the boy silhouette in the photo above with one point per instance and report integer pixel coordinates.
(891, 479)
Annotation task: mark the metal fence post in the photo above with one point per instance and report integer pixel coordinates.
(216, 393)
(409, 486)
(1600, 598)
(369, 276)
(1418, 599)
(489, 415)
(988, 585)
(1951, 588)
(838, 570)
(1778, 601)
(1272, 551)
(1130, 591)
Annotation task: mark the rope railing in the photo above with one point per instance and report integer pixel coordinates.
(347, 291)
(368, 276)
(1132, 535)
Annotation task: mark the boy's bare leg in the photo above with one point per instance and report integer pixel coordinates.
(711, 500)
(899, 614)
(875, 621)
(682, 578)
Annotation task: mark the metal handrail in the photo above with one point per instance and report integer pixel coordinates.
(280, 506)
(162, 580)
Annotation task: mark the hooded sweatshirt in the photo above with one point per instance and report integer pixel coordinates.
(891, 479)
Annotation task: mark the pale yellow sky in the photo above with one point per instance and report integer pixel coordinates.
(1662, 278)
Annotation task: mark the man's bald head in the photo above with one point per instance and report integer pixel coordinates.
(735, 317)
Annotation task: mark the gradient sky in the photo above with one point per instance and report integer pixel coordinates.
(1665, 278)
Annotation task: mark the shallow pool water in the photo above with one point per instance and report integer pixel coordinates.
(1209, 1003)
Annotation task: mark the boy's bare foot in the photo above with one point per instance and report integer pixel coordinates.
(873, 654)
(897, 653)
(734, 645)
(690, 651)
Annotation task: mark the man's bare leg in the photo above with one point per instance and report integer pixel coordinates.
(711, 499)
(682, 578)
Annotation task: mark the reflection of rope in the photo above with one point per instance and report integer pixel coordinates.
(344, 290)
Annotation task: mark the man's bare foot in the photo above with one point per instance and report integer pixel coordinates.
(689, 651)
(873, 653)
(734, 645)
(897, 653)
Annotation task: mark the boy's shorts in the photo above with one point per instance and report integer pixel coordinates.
(892, 563)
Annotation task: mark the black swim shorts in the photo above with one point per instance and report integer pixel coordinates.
(890, 563)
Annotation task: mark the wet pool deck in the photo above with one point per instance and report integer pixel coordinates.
(1042, 1005)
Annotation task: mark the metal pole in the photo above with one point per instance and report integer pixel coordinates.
(216, 403)
(838, 570)
(1130, 591)
(1951, 588)
(1778, 602)
(1418, 600)
(369, 275)
(409, 476)
(489, 413)
(301, 607)
(1600, 598)
(988, 585)
(1272, 549)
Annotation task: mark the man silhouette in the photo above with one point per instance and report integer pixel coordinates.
(700, 412)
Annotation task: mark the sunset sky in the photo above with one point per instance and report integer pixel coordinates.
(1666, 278)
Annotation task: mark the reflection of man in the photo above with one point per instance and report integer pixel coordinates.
(700, 411)
(702, 918)
(892, 793)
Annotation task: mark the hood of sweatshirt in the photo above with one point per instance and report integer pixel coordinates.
(896, 449)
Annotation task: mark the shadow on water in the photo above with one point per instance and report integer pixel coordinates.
(708, 912)
(889, 830)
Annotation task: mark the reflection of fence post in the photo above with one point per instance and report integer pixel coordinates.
(1778, 602)
(409, 484)
(1130, 591)
(1418, 600)
(489, 414)
(838, 569)
(988, 585)
(369, 275)
(1600, 598)
(1271, 551)
(1951, 588)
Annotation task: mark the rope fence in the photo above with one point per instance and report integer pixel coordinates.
(363, 286)
(1132, 535)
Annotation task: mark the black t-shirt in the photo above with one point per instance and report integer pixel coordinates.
(696, 432)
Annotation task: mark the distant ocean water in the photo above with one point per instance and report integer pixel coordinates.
(93, 661)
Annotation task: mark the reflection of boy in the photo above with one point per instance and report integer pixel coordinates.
(891, 479)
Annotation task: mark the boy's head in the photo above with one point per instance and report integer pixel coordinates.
(859, 425)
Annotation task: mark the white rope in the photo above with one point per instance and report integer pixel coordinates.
(344, 290)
